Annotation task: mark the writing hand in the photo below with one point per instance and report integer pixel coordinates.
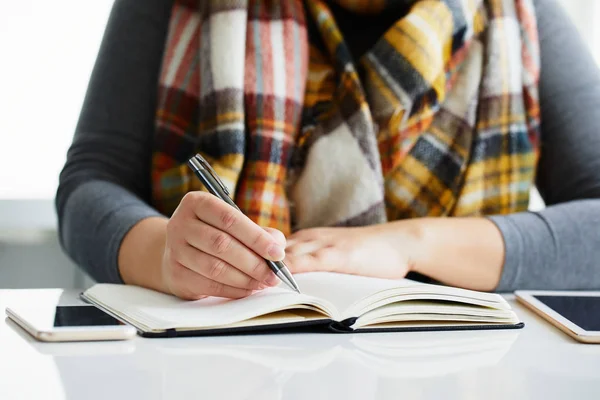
(212, 249)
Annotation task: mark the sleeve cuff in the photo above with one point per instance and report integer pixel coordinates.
(97, 216)
(512, 250)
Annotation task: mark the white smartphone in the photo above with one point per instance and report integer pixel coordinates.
(575, 313)
(55, 323)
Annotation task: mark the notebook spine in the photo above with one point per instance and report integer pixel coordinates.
(344, 326)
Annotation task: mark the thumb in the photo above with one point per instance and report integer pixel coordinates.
(277, 235)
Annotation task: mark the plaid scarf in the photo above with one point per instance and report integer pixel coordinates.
(439, 118)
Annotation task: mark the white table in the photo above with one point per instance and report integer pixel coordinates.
(537, 362)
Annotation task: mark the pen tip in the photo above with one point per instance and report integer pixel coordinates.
(285, 275)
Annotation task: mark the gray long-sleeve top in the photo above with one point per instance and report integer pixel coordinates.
(104, 188)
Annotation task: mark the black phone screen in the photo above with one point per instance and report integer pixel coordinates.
(82, 316)
(48, 316)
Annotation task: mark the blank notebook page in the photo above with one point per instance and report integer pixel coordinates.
(343, 290)
(164, 311)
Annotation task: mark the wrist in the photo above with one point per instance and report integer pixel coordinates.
(407, 238)
(415, 246)
(464, 252)
(141, 254)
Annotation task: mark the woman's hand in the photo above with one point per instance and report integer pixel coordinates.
(381, 251)
(462, 252)
(212, 249)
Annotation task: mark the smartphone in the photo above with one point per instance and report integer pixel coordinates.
(575, 313)
(56, 323)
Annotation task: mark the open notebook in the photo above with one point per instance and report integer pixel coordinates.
(329, 302)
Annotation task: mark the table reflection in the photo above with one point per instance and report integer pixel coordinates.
(290, 366)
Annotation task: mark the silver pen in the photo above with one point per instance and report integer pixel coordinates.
(211, 181)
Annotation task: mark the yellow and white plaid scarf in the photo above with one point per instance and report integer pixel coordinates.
(439, 118)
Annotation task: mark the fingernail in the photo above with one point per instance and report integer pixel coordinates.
(262, 286)
(276, 252)
(272, 280)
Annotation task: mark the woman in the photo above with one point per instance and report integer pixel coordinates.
(381, 138)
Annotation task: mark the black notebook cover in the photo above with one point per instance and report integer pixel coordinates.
(321, 326)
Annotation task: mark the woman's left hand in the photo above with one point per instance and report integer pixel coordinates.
(381, 251)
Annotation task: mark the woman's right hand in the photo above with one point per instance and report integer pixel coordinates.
(213, 249)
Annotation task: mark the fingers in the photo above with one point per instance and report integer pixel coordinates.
(223, 217)
(189, 285)
(299, 248)
(310, 250)
(215, 269)
(277, 235)
(323, 259)
(308, 235)
(304, 263)
(223, 246)
(306, 241)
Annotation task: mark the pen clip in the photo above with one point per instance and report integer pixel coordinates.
(198, 158)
